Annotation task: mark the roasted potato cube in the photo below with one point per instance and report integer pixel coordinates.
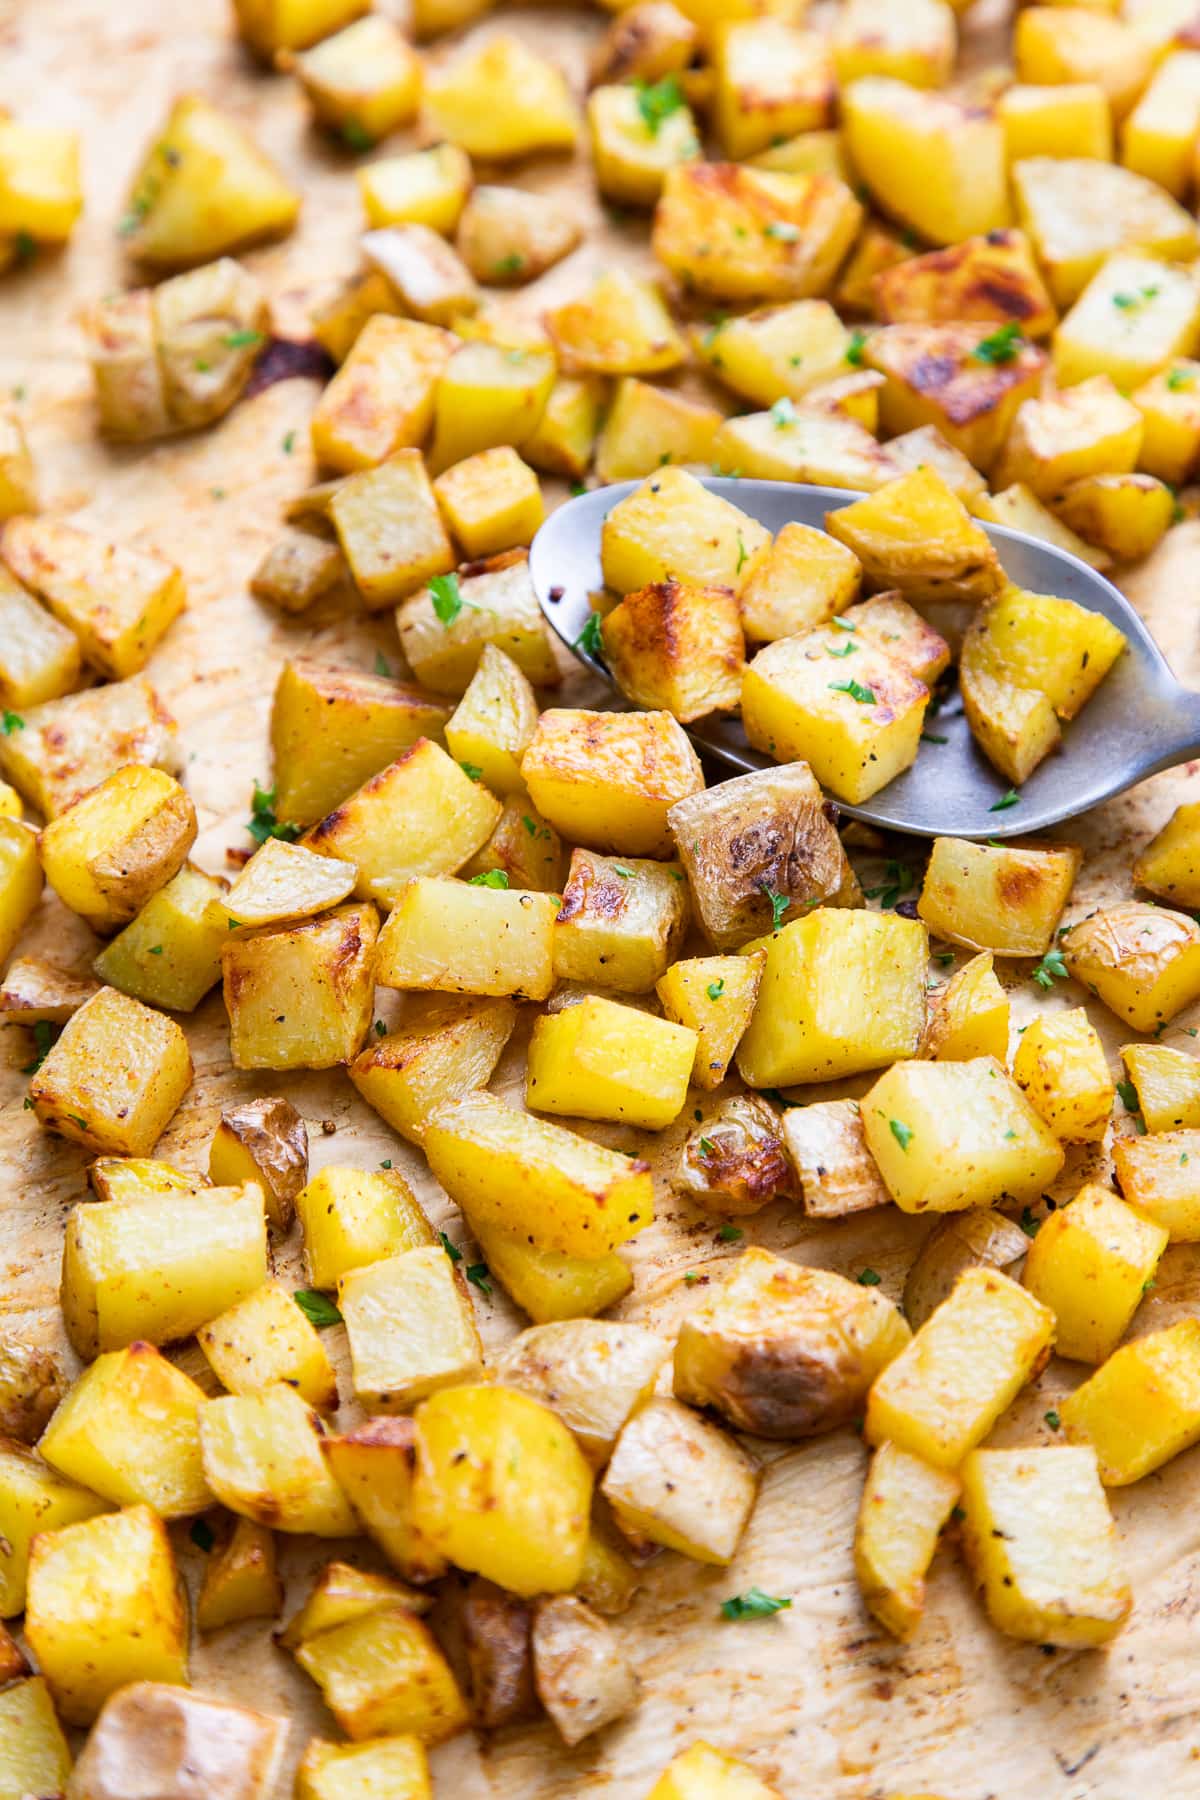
(768, 236)
(491, 501)
(283, 882)
(1126, 515)
(808, 153)
(1054, 44)
(994, 1335)
(321, 972)
(827, 1147)
(917, 45)
(502, 1488)
(489, 1157)
(395, 1766)
(590, 1372)
(341, 1593)
(644, 43)
(34, 1754)
(426, 187)
(561, 443)
(619, 923)
(547, 1284)
(11, 804)
(1014, 726)
(1017, 507)
(608, 780)
(932, 161)
(506, 235)
(432, 17)
(499, 100)
(771, 81)
(778, 350)
(105, 1608)
(351, 1217)
(383, 1674)
(262, 1459)
(382, 398)
(31, 1386)
(114, 847)
(41, 196)
(442, 1054)
(266, 1338)
(599, 1060)
(1156, 1175)
(68, 745)
(635, 141)
(673, 526)
(264, 1141)
(140, 1178)
(523, 847)
(118, 601)
(374, 1465)
(203, 188)
(1167, 1085)
(336, 323)
(170, 954)
(992, 277)
(18, 491)
(677, 647)
(926, 447)
(209, 326)
(796, 583)
(905, 1504)
(1077, 211)
(459, 938)
(297, 569)
(131, 399)
(963, 378)
(583, 1678)
(20, 881)
(34, 1499)
(1091, 1263)
(491, 603)
(156, 1732)
(889, 623)
(494, 721)
(157, 1267)
(878, 248)
(271, 25)
(1073, 121)
(390, 529)
(970, 1240)
(1141, 960)
(1041, 1541)
(1169, 403)
(411, 1328)
(785, 1352)
(620, 327)
(1000, 897)
(681, 1481)
(855, 733)
(39, 658)
(1142, 1406)
(1134, 317)
(496, 1637)
(1054, 646)
(1061, 1065)
(916, 536)
(811, 1026)
(714, 997)
(488, 396)
(332, 728)
(733, 1161)
(608, 1582)
(364, 81)
(648, 427)
(702, 1773)
(115, 1078)
(969, 1016)
(127, 1431)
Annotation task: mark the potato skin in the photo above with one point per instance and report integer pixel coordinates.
(31, 1386)
(746, 1164)
(960, 1241)
(496, 1632)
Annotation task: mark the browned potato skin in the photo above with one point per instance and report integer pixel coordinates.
(31, 1385)
(151, 1738)
(960, 1241)
(496, 1630)
(990, 277)
(748, 1165)
(34, 991)
(827, 1139)
(12, 1659)
(644, 44)
(583, 1679)
(272, 1132)
(679, 648)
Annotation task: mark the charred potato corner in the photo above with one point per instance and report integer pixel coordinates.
(530, 1267)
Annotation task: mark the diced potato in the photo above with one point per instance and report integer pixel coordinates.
(1054, 44)
(1061, 1065)
(878, 248)
(680, 1481)
(1142, 1406)
(808, 153)
(677, 647)
(271, 25)
(297, 569)
(970, 1240)
(443, 1054)
(321, 972)
(338, 321)
(648, 427)
(502, 1488)
(702, 1773)
(1167, 1084)
(364, 81)
(498, 606)
(967, 1363)
(591, 1373)
(342, 1592)
(782, 1351)
(1157, 1175)
(619, 923)
(523, 847)
(262, 1459)
(131, 400)
(115, 1078)
(1077, 211)
(266, 1338)
(458, 938)
(584, 1680)
(561, 443)
(390, 529)
(426, 187)
(992, 277)
(547, 1284)
(490, 1158)
(1126, 515)
(264, 1141)
(68, 745)
(158, 1266)
(411, 1328)
(753, 235)
(1041, 1541)
(1073, 121)
(778, 350)
(240, 1579)
(969, 1016)
(798, 582)
(34, 1754)
(905, 1504)
(34, 1499)
(608, 1582)
(432, 17)
(488, 396)
(608, 780)
(673, 526)
(491, 501)
(114, 847)
(837, 1173)
(1001, 898)
(1091, 1263)
(621, 326)
(20, 881)
(496, 1631)
(332, 728)
(382, 398)
(1159, 136)
(806, 444)
(203, 188)
(383, 1674)
(508, 236)
(1015, 727)
(499, 100)
(1018, 508)
(41, 195)
(916, 536)
(351, 1217)
(392, 1766)
(18, 490)
(118, 601)
(935, 375)
(209, 326)
(599, 1060)
(714, 997)
(105, 1608)
(813, 1025)
(374, 1465)
(1135, 316)
(140, 1178)
(494, 721)
(283, 882)
(1169, 403)
(35, 992)
(127, 1431)
(772, 80)
(733, 1160)
(926, 447)
(31, 1386)
(891, 625)
(152, 1731)
(1141, 960)
(170, 954)
(644, 43)
(39, 658)
(633, 144)
(931, 161)
(950, 1135)
(853, 398)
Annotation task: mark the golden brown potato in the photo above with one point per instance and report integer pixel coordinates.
(506, 235)
(298, 568)
(678, 647)
(650, 40)
(827, 1146)
(70, 744)
(31, 1385)
(265, 1141)
(36, 992)
(12, 1659)
(917, 536)
(734, 1161)
(1142, 960)
(967, 1240)
(768, 236)
(591, 1372)
(209, 327)
(151, 1738)
(933, 375)
(990, 277)
(496, 1635)
(583, 1677)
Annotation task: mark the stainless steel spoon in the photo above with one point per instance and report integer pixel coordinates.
(1140, 719)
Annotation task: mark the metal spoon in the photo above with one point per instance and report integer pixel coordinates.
(1139, 720)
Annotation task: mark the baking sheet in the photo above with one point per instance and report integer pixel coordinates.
(817, 1698)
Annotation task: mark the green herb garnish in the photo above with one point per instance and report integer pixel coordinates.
(864, 695)
(452, 1250)
(657, 100)
(493, 878)
(318, 1309)
(1001, 347)
(447, 598)
(477, 1275)
(1052, 968)
(263, 824)
(1012, 798)
(753, 1605)
(902, 1133)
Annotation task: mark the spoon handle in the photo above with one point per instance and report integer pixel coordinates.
(1175, 739)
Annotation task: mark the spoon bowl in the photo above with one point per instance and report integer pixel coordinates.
(1139, 720)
